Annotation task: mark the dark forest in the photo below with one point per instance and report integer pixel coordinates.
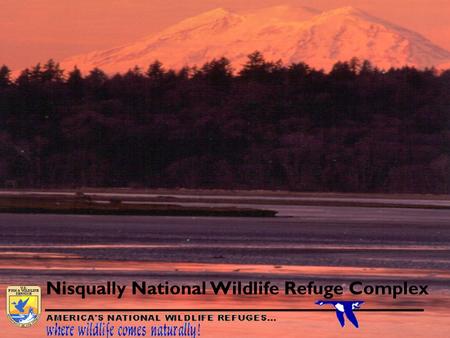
(266, 126)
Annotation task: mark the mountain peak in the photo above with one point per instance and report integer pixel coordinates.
(346, 10)
(208, 17)
(212, 15)
(289, 33)
(215, 13)
(206, 20)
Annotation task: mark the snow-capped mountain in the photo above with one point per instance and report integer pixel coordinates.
(292, 34)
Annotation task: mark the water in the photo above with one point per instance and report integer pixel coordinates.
(324, 244)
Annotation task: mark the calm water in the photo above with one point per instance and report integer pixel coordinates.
(325, 244)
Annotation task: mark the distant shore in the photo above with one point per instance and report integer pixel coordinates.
(190, 202)
(81, 204)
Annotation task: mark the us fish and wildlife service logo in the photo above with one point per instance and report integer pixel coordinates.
(23, 305)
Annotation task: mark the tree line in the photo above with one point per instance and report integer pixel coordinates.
(267, 126)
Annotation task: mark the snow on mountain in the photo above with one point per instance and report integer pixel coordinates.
(347, 32)
(291, 34)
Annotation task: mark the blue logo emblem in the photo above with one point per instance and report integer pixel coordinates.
(344, 307)
(23, 305)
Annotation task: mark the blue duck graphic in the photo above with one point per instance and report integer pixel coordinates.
(20, 306)
(344, 307)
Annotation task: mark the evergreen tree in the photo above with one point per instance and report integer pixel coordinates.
(51, 72)
(5, 76)
(156, 71)
(75, 83)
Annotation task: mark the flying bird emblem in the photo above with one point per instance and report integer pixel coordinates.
(20, 306)
(344, 307)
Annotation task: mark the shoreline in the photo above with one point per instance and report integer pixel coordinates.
(80, 204)
(196, 202)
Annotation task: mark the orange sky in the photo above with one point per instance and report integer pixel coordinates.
(36, 30)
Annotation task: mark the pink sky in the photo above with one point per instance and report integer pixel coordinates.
(36, 30)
